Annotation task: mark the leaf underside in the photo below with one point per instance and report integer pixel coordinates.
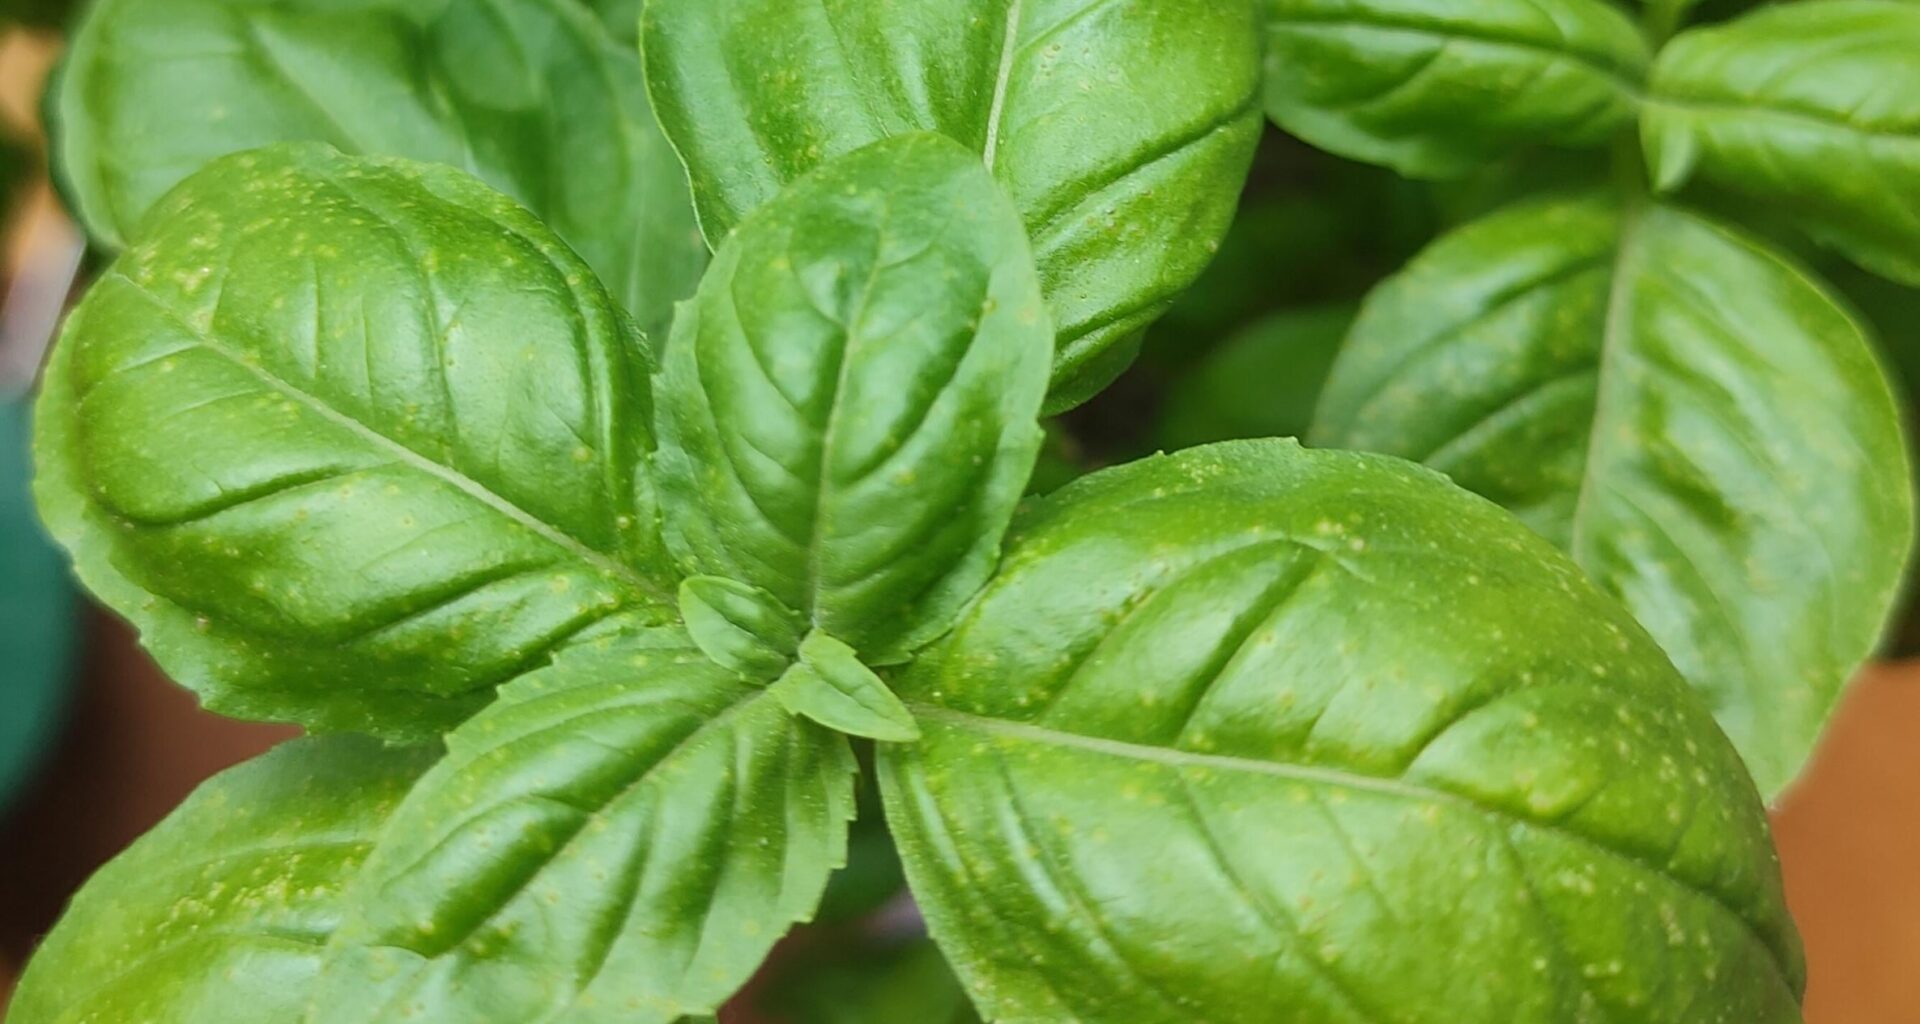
(1696, 420)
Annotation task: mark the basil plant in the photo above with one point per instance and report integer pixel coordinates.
(607, 429)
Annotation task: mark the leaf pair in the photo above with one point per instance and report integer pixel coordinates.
(1684, 409)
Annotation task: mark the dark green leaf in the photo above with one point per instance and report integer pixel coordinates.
(533, 96)
(1122, 128)
(1437, 88)
(848, 408)
(1317, 733)
(739, 626)
(1813, 108)
(1263, 382)
(830, 686)
(1689, 413)
(621, 837)
(352, 442)
(37, 610)
(220, 914)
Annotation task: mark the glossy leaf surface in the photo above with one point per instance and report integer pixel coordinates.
(1437, 88)
(351, 442)
(221, 912)
(1123, 130)
(1251, 726)
(622, 836)
(532, 96)
(1686, 411)
(1813, 109)
(848, 408)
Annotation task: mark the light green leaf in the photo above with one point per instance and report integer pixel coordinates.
(739, 626)
(1813, 108)
(1123, 129)
(533, 96)
(352, 442)
(1438, 88)
(1690, 414)
(830, 686)
(848, 408)
(221, 912)
(621, 837)
(1252, 726)
(1261, 382)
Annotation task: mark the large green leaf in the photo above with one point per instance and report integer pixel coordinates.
(221, 913)
(621, 837)
(352, 442)
(533, 96)
(849, 407)
(1122, 128)
(1316, 733)
(37, 611)
(1691, 415)
(1811, 107)
(1438, 88)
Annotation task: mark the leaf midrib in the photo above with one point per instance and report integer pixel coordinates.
(610, 566)
(1314, 774)
(1003, 82)
(1624, 77)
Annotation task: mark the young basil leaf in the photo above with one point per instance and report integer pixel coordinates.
(848, 408)
(740, 627)
(1252, 726)
(1813, 108)
(1691, 415)
(1126, 179)
(1437, 88)
(352, 442)
(531, 96)
(830, 686)
(622, 836)
(221, 912)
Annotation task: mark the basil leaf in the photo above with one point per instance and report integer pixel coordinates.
(830, 685)
(1255, 726)
(1813, 108)
(220, 913)
(740, 627)
(1262, 382)
(1437, 89)
(848, 408)
(1126, 180)
(532, 96)
(351, 442)
(1690, 414)
(623, 835)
